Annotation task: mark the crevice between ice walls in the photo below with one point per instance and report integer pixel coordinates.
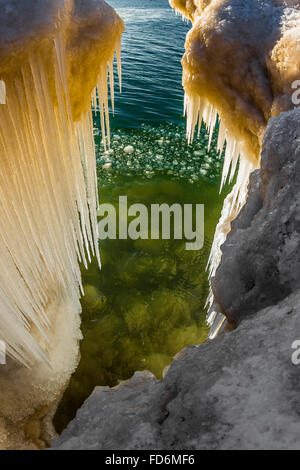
(241, 60)
(53, 55)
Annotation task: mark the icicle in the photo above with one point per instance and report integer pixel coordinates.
(192, 107)
(2, 92)
(95, 101)
(119, 64)
(212, 126)
(217, 322)
(101, 98)
(111, 85)
(234, 162)
(230, 150)
(201, 111)
(221, 138)
(48, 199)
(101, 91)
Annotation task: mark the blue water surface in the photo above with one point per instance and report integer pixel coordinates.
(152, 49)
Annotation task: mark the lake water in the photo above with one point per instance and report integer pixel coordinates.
(152, 45)
(147, 302)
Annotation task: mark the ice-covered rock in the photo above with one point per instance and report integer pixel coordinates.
(242, 57)
(261, 256)
(242, 61)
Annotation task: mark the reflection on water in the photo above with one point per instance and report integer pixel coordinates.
(147, 302)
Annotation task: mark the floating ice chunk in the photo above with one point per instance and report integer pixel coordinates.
(129, 149)
(107, 165)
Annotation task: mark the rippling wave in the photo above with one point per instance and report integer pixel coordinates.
(152, 48)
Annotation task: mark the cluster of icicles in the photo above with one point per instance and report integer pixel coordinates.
(198, 109)
(48, 201)
(100, 95)
(177, 13)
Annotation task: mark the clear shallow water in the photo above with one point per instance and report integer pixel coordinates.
(147, 302)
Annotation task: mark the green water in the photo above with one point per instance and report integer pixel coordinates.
(147, 302)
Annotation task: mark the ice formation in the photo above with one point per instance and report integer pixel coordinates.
(241, 61)
(51, 60)
(54, 55)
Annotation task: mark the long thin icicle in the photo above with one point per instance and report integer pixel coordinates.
(100, 95)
